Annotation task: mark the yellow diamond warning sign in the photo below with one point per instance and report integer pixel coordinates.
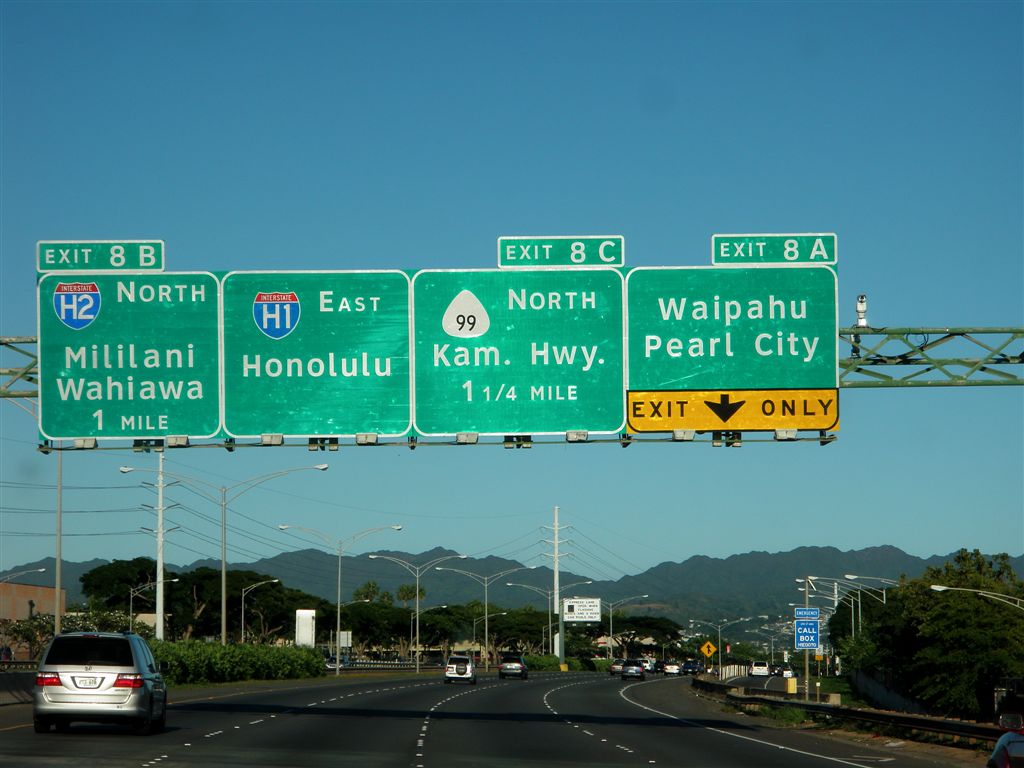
(736, 409)
(708, 649)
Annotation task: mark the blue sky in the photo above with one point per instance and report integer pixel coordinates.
(324, 136)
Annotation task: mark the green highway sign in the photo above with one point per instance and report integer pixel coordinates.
(128, 355)
(751, 250)
(99, 255)
(544, 351)
(533, 252)
(316, 353)
(708, 328)
(518, 352)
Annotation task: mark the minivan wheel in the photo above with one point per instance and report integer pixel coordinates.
(41, 725)
(145, 724)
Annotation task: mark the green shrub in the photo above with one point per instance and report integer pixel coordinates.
(550, 664)
(194, 662)
(545, 663)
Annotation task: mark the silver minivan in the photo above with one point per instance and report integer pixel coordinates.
(104, 677)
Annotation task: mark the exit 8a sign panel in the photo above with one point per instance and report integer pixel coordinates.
(708, 328)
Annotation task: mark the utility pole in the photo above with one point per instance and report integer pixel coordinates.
(160, 485)
(556, 594)
(58, 612)
(807, 654)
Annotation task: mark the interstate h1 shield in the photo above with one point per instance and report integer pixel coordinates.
(276, 314)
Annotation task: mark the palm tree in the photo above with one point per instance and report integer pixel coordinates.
(407, 592)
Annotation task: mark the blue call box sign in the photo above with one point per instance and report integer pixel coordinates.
(805, 633)
(806, 613)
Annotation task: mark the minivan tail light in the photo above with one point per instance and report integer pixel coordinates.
(47, 678)
(128, 681)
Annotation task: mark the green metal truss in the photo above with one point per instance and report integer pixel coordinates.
(931, 357)
(875, 357)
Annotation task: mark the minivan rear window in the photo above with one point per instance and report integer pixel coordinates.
(95, 651)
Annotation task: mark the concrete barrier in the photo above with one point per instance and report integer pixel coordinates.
(16, 686)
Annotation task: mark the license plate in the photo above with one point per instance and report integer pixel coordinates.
(87, 682)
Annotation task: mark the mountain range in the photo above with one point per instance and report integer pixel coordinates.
(701, 587)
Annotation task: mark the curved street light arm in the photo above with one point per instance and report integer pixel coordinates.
(10, 576)
(1010, 600)
(890, 582)
(252, 482)
(251, 587)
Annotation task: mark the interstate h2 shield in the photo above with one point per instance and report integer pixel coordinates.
(76, 304)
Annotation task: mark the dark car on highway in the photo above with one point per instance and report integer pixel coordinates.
(692, 667)
(513, 666)
(634, 668)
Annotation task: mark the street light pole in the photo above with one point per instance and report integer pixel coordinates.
(425, 610)
(486, 581)
(339, 545)
(720, 626)
(808, 585)
(224, 499)
(484, 619)
(611, 611)
(548, 593)
(132, 592)
(246, 591)
(416, 570)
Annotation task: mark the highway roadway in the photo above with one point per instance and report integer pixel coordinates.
(552, 719)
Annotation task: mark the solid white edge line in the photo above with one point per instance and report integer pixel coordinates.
(840, 760)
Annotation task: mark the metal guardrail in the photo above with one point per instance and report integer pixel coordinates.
(908, 725)
(371, 664)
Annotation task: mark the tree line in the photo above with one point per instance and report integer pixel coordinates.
(948, 651)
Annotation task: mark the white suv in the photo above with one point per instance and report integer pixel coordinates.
(759, 669)
(460, 668)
